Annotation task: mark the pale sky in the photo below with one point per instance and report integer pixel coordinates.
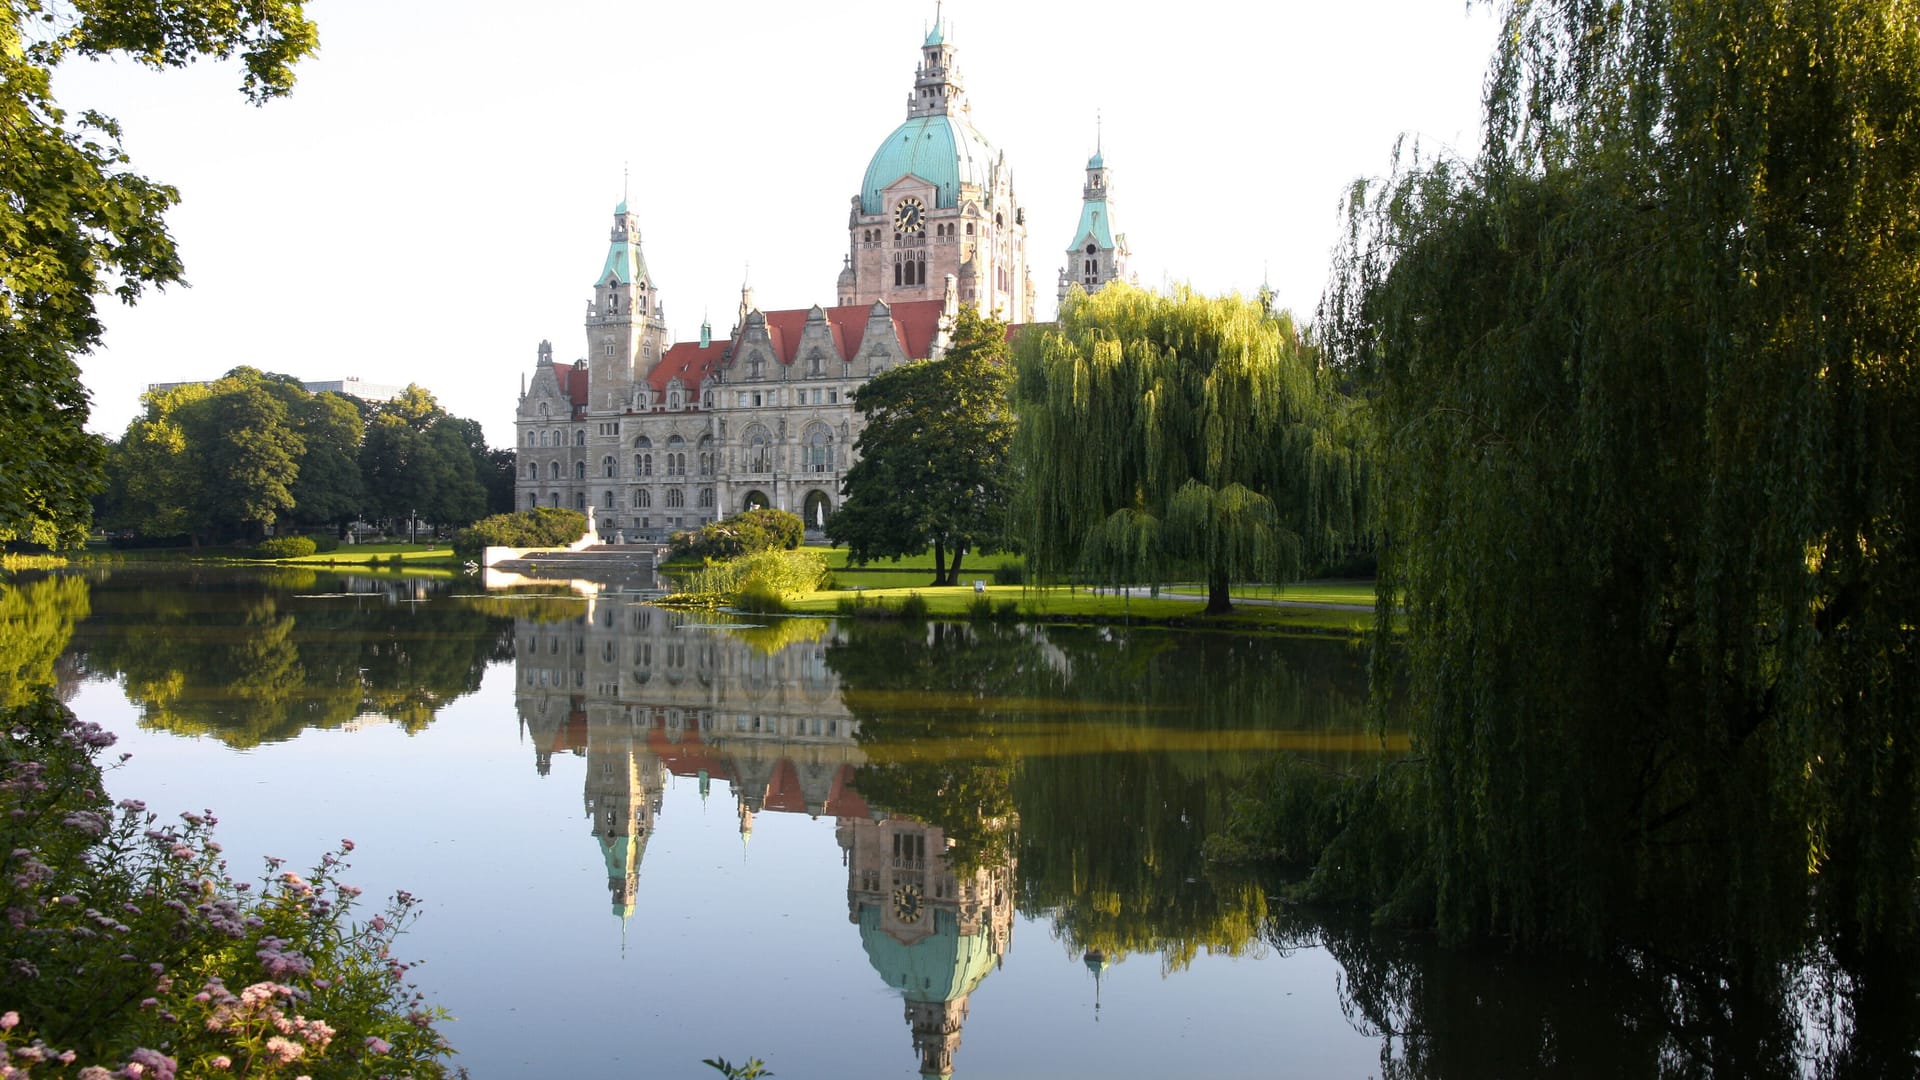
(434, 198)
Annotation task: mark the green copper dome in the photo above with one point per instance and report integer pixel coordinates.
(942, 150)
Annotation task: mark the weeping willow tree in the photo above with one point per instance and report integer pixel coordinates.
(1165, 435)
(1646, 378)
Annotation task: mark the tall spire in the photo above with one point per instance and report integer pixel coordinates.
(937, 89)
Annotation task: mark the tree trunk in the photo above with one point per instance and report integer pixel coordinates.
(953, 573)
(1219, 602)
(939, 562)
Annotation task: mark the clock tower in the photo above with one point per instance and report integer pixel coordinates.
(937, 201)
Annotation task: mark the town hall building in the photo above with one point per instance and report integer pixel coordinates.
(649, 436)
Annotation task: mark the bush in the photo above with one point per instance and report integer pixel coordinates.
(1010, 574)
(980, 607)
(759, 597)
(284, 547)
(324, 543)
(786, 574)
(541, 527)
(745, 533)
(127, 943)
(913, 606)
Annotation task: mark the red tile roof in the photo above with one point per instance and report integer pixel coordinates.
(915, 323)
(688, 362)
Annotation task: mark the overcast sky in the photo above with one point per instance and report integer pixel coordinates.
(434, 198)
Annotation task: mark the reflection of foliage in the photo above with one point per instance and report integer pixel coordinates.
(36, 620)
(241, 659)
(1114, 752)
(1467, 1013)
(780, 633)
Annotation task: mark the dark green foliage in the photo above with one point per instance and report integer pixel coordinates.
(746, 533)
(934, 467)
(75, 224)
(913, 606)
(1649, 369)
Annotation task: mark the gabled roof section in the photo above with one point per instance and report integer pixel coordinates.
(573, 384)
(688, 362)
(915, 325)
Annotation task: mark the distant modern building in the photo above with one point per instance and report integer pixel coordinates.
(351, 386)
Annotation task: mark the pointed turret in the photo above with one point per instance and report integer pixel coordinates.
(1098, 254)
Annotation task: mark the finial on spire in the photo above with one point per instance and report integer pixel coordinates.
(1097, 123)
(626, 176)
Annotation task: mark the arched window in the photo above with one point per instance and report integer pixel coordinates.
(553, 470)
(706, 497)
(533, 470)
(580, 437)
(580, 501)
(643, 464)
(817, 449)
(533, 499)
(676, 456)
(559, 438)
(642, 499)
(529, 438)
(553, 498)
(579, 470)
(543, 438)
(606, 499)
(676, 498)
(606, 467)
(642, 443)
(706, 456)
(759, 450)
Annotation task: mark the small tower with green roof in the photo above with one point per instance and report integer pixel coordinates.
(1098, 254)
(626, 324)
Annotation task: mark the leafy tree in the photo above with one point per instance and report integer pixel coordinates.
(76, 224)
(328, 490)
(1649, 366)
(1170, 434)
(934, 466)
(418, 460)
(247, 455)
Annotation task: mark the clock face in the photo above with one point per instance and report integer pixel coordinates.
(910, 216)
(906, 902)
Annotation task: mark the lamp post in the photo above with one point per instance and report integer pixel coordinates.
(410, 518)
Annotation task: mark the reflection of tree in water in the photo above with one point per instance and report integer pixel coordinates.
(1444, 1013)
(1115, 752)
(37, 618)
(240, 657)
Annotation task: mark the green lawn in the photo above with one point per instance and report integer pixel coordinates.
(1061, 604)
(363, 554)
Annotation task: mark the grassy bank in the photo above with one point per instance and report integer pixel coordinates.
(1059, 604)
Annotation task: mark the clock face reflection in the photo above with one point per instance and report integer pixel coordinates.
(910, 216)
(906, 902)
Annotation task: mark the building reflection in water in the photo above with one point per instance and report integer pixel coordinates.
(643, 693)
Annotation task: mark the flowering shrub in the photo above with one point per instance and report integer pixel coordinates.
(127, 950)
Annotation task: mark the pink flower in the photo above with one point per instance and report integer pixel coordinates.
(378, 1045)
(221, 1061)
(9, 1020)
(283, 1049)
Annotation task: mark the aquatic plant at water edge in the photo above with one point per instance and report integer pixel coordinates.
(126, 944)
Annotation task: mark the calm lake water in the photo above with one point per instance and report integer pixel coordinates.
(851, 849)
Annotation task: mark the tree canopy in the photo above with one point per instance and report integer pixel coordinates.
(76, 223)
(934, 468)
(1648, 370)
(1162, 435)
